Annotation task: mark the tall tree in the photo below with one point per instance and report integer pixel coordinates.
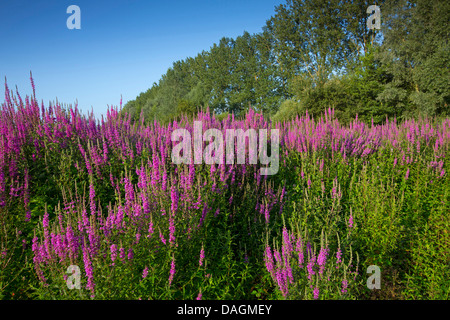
(417, 54)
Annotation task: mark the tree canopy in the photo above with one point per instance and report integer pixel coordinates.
(312, 55)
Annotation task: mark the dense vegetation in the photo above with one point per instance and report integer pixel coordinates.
(106, 196)
(312, 55)
(363, 180)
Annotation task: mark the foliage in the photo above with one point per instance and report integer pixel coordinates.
(105, 196)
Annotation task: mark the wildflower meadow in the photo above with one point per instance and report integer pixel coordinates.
(97, 209)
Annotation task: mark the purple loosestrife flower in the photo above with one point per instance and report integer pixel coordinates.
(407, 174)
(155, 170)
(129, 192)
(202, 256)
(310, 267)
(338, 257)
(299, 248)
(122, 254)
(322, 258)
(105, 151)
(37, 259)
(288, 269)
(171, 230)
(93, 241)
(85, 218)
(145, 202)
(161, 236)
(277, 256)
(281, 277)
(113, 249)
(350, 220)
(266, 213)
(174, 198)
(91, 198)
(286, 242)
(204, 212)
(150, 229)
(130, 254)
(145, 273)
(164, 180)
(72, 242)
(199, 297)
(316, 293)
(172, 271)
(35, 248)
(119, 217)
(89, 270)
(344, 286)
(191, 175)
(45, 224)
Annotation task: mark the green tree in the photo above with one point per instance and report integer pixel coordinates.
(416, 53)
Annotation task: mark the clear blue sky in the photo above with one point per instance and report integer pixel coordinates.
(121, 49)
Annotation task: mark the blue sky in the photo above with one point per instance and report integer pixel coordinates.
(121, 48)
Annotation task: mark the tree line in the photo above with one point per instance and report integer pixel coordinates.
(313, 55)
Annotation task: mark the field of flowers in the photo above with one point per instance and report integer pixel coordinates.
(105, 196)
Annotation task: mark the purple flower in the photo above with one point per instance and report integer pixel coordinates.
(310, 266)
(122, 254)
(161, 236)
(130, 254)
(281, 276)
(113, 249)
(301, 257)
(150, 229)
(145, 273)
(174, 198)
(316, 293)
(407, 174)
(129, 191)
(164, 180)
(89, 270)
(266, 213)
(322, 258)
(287, 245)
(344, 286)
(119, 217)
(172, 271)
(199, 297)
(171, 230)
(202, 256)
